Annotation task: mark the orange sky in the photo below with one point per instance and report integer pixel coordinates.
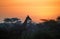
(37, 9)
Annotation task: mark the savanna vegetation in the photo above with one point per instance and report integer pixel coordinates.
(13, 28)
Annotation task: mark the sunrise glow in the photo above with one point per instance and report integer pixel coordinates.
(36, 9)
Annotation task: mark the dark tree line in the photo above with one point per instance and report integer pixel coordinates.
(13, 28)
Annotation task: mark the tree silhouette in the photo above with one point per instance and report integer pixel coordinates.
(7, 20)
(11, 20)
(15, 19)
(58, 18)
(44, 19)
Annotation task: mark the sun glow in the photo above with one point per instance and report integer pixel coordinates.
(37, 9)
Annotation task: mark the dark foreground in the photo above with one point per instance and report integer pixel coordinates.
(50, 29)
